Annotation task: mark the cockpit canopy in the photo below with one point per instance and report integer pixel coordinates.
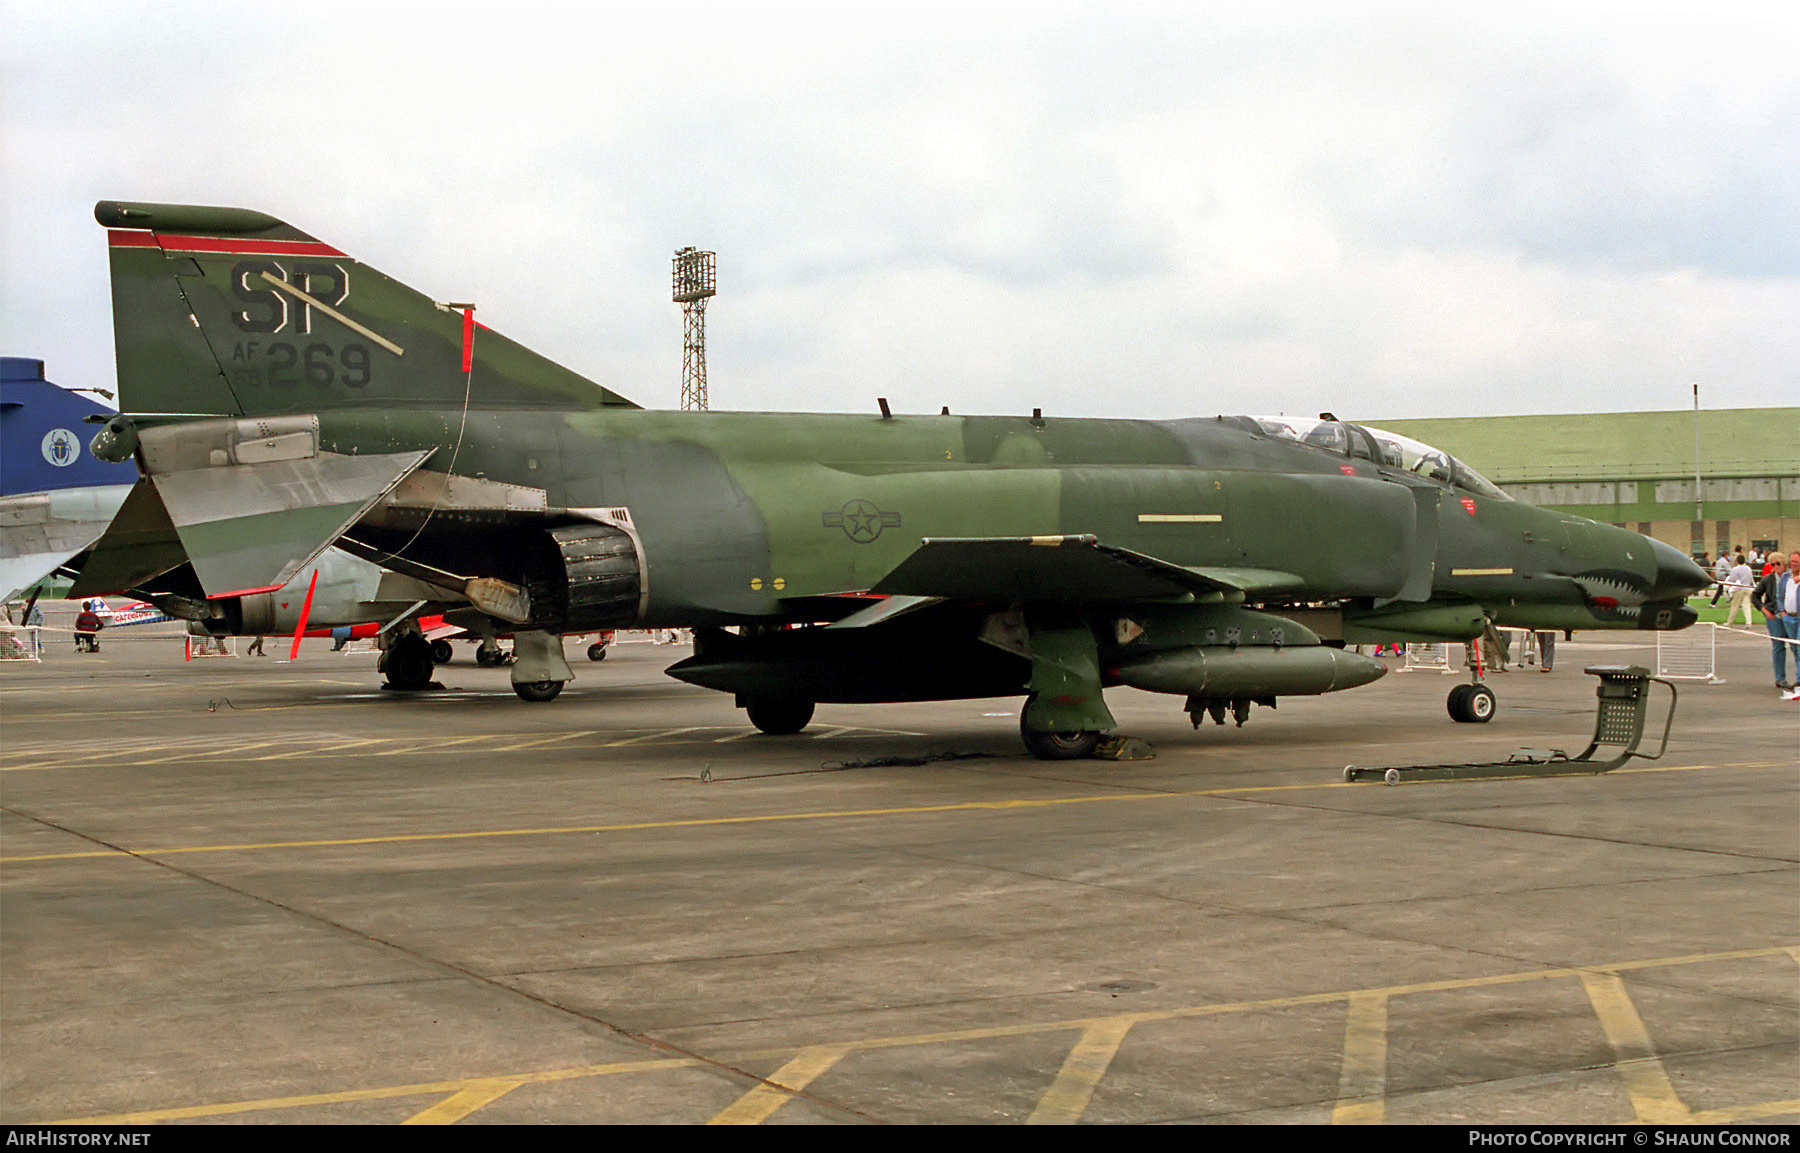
(1387, 449)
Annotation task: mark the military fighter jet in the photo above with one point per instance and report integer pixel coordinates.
(280, 396)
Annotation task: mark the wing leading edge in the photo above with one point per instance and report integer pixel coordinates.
(1068, 570)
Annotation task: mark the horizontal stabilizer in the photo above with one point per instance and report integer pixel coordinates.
(139, 544)
(246, 526)
(1066, 569)
(251, 527)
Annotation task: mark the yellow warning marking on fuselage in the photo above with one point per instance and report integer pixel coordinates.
(1481, 572)
(475, 1095)
(1068, 1096)
(1180, 518)
(1652, 1094)
(819, 1058)
(1362, 1079)
(756, 1106)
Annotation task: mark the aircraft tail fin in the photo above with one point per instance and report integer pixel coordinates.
(229, 312)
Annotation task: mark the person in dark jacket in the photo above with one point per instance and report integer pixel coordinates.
(1777, 597)
(87, 631)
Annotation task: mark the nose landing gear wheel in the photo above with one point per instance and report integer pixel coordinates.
(538, 690)
(1471, 704)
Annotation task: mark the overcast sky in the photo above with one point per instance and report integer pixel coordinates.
(1130, 210)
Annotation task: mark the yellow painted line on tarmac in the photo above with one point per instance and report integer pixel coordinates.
(412, 746)
(1744, 1114)
(189, 752)
(756, 1106)
(658, 735)
(808, 1063)
(325, 750)
(1068, 1096)
(384, 1093)
(541, 742)
(1653, 1096)
(1362, 1078)
(473, 1096)
(705, 822)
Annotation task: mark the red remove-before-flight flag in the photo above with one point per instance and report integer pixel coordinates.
(468, 338)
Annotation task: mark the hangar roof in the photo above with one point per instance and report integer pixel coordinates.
(1734, 442)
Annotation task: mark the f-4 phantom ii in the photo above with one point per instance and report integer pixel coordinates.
(280, 396)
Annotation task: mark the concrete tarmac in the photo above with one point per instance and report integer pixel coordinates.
(247, 890)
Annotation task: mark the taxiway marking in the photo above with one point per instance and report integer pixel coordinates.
(1362, 1078)
(1068, 1096)
(1093, 1051)
(1652, 1095)
(1016, 804)
(756, 1106)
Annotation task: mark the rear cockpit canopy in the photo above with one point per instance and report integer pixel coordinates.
(1387, 449)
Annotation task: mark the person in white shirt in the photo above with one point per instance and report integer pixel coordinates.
(1741, 581)
(1721, 570)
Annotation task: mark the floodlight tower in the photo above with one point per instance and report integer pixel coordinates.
(696, 281)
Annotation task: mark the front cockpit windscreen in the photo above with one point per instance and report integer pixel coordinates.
(1388, 449)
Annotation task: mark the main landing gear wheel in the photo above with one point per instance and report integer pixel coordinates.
(1471, 704)
(1071, 746)
(538, 690)
(441, 652)
(779, 715)
(407, 664)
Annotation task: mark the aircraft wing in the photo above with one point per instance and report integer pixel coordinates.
(40, 531)
(1067, 569)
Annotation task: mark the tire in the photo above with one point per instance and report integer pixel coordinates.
(596, 652)
(441, 652)
(1071, 746)
(484, 658)
(1457, 702)
(1479, 705)
(538, 691)
(407, 665)
(779, 715)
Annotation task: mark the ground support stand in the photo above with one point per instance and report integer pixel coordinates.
(1624, 705)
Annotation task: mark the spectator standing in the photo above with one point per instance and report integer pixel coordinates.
(1742, 581)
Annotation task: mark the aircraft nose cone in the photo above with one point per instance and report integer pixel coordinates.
(1677, 576)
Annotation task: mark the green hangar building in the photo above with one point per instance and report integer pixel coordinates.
(1636, 469)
